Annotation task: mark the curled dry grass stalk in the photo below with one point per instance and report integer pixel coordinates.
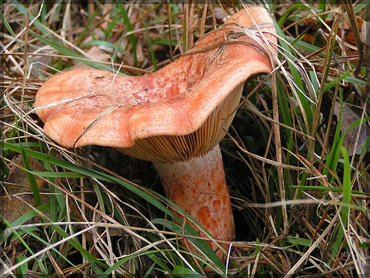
(299, 181)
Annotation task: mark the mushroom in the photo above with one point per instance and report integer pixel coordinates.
(174, 117)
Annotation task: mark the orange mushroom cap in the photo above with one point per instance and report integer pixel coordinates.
(93, 107)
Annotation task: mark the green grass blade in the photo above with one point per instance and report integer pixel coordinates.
(355, 81)
(108, 272)
(333, 157)
(105, 44)
(129, 28)
(365, 147)
(87, 26)
(22, 269)
(109, 30)
(335, 81)
(100, 198)
(21, 220)
(7, 25)
(179, 271)
(23, 10)
(152, 55)
(62, 49)
(17, 235)
(347, 186)
(31, 179)
(54, 250)
(289, 11)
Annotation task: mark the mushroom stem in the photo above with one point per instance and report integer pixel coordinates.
(198, 186)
